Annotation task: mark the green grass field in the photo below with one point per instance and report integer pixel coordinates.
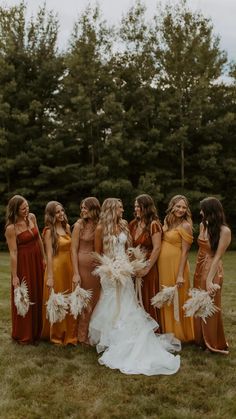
(46, 381)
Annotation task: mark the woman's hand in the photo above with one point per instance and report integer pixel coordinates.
(180, 281)
(50, 282)
(76, 280)
(15, 281)
(212, 288)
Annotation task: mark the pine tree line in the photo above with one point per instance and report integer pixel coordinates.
(142, 107)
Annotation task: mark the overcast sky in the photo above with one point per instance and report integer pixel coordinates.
(222, 13)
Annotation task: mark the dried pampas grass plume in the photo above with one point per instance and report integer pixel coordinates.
(21, 299)
(200, 304)
(78, 300)
(137, 258)
(165, 296)
(57, 307)
(114, 269)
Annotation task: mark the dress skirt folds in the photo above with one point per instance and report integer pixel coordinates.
(30, 268)
(168, 266)
(150, 282)
(209, 334)
(125, 332)
(63, 332)
(88, 281)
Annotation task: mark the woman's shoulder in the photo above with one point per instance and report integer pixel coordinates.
(99, 228)
(10, 230)
(155, 227)
(46, 233)
(185, 225)
(225, 231)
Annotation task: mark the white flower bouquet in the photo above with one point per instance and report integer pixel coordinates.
(165, 296)
(78, 300)
(116, 269)
(57, 307)
(200, 304)
(21, 299)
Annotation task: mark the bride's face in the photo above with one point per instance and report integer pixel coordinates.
(119, 211)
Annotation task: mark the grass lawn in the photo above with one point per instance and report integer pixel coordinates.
(46, 381)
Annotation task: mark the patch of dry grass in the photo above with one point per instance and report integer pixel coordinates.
(47, 381)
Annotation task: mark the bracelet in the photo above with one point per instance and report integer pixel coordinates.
(148, 263)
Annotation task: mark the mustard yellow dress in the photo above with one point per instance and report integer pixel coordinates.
(63, 332)
(168, 266)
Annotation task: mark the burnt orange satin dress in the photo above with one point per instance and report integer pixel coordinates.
(30, 267)
(150, 284)
(168, 266)
(209, 334)
(88, 280)
(63, 332)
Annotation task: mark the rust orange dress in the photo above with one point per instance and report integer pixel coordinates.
(168, 266)
(30, 267)
(88, 280)
(63, 332)
(150, 284)
(209, 334)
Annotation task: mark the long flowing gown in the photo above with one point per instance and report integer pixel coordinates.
(63, 332)
(88, 281)
(150, 282)
(30, 268)
(209, 334)
(125, 332)
(168, 266)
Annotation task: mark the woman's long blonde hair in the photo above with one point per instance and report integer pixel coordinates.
(50, 222)
(170, 218)
(108, 221)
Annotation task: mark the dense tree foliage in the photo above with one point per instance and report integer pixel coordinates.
(143, 107)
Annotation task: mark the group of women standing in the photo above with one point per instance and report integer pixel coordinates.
(133, 335)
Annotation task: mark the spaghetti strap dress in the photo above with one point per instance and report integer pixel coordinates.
(64, 332)
(27, 329)
(209, 334)
(88, 281)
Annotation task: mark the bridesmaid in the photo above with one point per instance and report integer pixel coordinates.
(173, 266)
(27, 262)
(58, 275)
(213, 240)
(146, 231)
(81, 249)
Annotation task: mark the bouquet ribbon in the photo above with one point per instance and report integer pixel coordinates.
(176, 304)
(138, 285)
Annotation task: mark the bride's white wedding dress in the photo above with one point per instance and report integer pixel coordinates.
(125, 332)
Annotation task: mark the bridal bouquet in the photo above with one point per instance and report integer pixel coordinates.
(165, 296)
(116, 269)
(78, 300)
(200, 304)
(21, 299)
(57, 307)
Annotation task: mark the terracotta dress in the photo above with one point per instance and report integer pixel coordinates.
(88, 280)
(63, 332)
(150, 284)
(30, 268)
(168, 266)
(209, 334)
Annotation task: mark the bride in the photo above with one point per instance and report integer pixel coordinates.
(119, 327)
